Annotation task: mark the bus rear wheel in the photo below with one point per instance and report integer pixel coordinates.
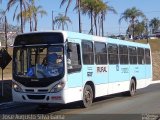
(87, 96)
(132, 89)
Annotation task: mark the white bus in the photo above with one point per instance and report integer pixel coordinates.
(64, 67)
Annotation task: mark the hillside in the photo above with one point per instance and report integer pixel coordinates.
(155, 44)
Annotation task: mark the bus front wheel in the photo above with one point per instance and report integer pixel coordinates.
(87, 96)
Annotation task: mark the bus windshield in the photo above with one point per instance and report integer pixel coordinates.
(38, 61)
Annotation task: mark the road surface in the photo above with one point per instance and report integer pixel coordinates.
(145, 101)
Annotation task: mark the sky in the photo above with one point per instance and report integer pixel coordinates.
(150, 8)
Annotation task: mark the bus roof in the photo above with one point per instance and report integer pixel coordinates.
(82, 36)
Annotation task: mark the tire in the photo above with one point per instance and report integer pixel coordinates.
(87, 96)
(132, 89)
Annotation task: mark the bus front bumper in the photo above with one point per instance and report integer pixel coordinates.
(38, 98)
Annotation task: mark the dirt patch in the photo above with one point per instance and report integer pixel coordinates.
(156, 65)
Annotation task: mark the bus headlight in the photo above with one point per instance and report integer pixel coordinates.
(58, 87)
(16, 87)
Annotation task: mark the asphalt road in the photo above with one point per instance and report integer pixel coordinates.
(145, 101)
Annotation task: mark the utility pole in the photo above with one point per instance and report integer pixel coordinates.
(147, 31)
(5, 30)
(79, 14)
(52, 21)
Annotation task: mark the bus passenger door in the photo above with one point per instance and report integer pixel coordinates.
(74, 73)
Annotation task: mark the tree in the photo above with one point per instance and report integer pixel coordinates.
(78, 4)
(23, 4)
(140, 28)
(3, 21)
(93, 9)
(154, 24)
(31, 15)
(87, 7)
(27, 17)
(62, 21)
(96, 10)
(132, 16)
(104, 11)
(38, 11)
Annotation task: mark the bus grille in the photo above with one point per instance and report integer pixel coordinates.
(36, 97)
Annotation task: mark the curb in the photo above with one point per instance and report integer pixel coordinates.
(155, 82)
(7, 105)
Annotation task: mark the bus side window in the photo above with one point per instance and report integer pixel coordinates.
(73, 58)
(141, 58)
(147, 56)
(87, 53)
(113, 54)
(132, 55)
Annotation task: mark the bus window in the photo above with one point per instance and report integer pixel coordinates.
(141, 56)
(123, 54)
(22, 61)
(39, 62)
(113, 54)
(88, 55)
(100, 53)
(147, 56)
(73, 57)
(133, 55)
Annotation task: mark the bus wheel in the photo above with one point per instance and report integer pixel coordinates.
(132, 89)
(87, 96)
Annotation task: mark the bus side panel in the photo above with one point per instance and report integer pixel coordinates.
(74, 87)
(114, 76)
(148, 74)
(140, 71)
(101, 80)
(124, 78)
